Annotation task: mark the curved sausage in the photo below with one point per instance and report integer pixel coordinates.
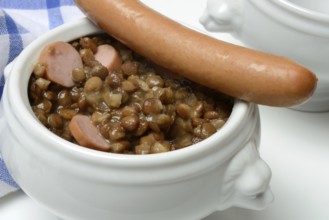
(237, 71)
(86, 134)
(108, 56)
(60, 58)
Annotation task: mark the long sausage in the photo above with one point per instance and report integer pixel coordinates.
(237, 71)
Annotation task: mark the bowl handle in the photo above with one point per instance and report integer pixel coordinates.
(222, 15)
(246, 182)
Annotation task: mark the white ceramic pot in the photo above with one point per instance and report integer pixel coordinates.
(78, 183)
(297, 29)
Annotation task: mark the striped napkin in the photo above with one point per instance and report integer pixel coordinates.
(21, 21)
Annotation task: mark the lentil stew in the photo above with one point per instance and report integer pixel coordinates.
(136, 106)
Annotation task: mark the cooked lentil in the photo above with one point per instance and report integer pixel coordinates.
(138, 109)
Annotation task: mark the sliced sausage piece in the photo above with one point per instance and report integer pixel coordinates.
(237, 71)
(86, 134)
(108, 56)
(60, 58)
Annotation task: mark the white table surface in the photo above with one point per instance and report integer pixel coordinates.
(294, 144)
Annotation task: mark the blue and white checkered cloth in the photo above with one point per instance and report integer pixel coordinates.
(21, 21)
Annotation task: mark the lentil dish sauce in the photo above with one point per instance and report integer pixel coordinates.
(138, 108)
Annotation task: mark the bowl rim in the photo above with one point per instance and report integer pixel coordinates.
(294, 8)
(17, 83)
(294, 16)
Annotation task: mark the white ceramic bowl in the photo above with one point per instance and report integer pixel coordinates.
(297, 29)
(78, 183)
